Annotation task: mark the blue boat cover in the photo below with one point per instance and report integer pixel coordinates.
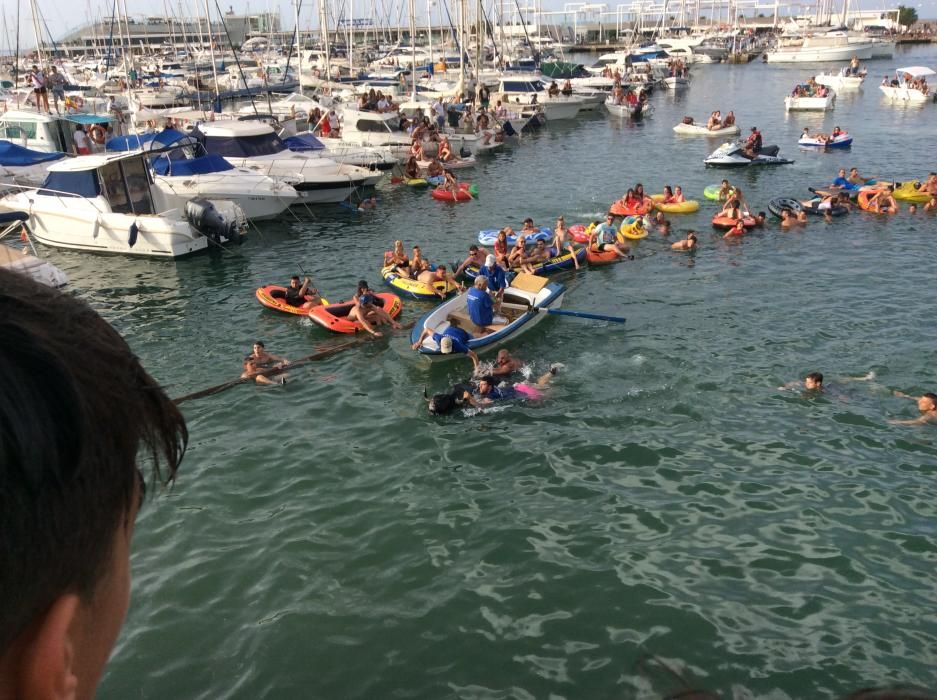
(157, 140)
(304, 142)
(71, 183)
(88, 118)
(191, 166)
(13, 155)
(8, 217)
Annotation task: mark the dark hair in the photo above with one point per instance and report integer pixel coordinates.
(762, 214)
(362, 284)
(295, 277)
(76, 409)
(816, 376)
(932, 396)
(473, 248)
(488, 379)
(260, 343)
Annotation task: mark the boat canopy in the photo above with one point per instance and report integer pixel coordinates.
(87, 118)
(304, 142)
(263, 144)
(71, 183)
(12, 155)
(915, 71)
(151, 142)
(191, 166)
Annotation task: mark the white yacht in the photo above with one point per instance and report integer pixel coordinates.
(182, 171)
(815, 48)
(49, 133)
(899, 89)
(255, 146)
(108, 204)
(528, 90)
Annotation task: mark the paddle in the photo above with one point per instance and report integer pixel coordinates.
(582, 314)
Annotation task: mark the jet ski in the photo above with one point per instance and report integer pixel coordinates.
(732, 155)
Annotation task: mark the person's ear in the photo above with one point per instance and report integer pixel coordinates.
(48, 658)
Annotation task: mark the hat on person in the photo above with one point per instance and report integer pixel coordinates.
(490, 261)
(445, 345)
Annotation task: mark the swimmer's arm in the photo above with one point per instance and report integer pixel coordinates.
(474, 358)
(914, 421)
(902, 395)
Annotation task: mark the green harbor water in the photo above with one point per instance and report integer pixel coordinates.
(330, 539)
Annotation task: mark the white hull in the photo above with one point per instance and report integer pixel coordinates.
(701, 130)
(555, 110)
(840, 82)
(316, 180)
(75, 223)
(40, 270)
(819, 54)
(258, 196)
(814, 104)
(626, 110)
(676, 83)
(903, 94)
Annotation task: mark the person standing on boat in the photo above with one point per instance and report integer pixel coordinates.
(82, 142)
(57, 85)
(484, 96)
(38, 80)
(854, 65)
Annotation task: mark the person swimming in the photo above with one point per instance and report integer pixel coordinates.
(487, 392)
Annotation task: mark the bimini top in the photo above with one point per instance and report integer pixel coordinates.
(150, 142)
(915, 71)
(13, 156)
(92, 162)
(304, 142)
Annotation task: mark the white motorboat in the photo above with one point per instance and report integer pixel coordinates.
(255, 146)
(676, 83)
(841, 81)
(21, 261)
(731, 155)
(108, 204)
(50, 132)
(831, 46)
(823, 142)
(528, 90)
(814, 103)
(183, 171)
(637, 110)
(364, 128)
(900, 88)
(371, 157)
(695, 129)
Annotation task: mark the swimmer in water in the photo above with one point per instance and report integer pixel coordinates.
(926, 404)
(689, 243)
(487, 393)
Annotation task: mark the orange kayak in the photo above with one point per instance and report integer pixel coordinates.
(274, 297)
(601, 257)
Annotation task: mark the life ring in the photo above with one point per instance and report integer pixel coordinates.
(97, 134)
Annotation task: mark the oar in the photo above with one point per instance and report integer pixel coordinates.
(582, 314)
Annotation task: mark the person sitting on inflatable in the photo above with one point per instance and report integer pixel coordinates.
(529, 227)
(561, 241)
(538, 255)
(518, 251)
(476, 256)
(454, 338)
(452, 182)
(729, 120)
(689, 243)
(713, 122)
(412, 169)
(445, 150)
(883, 201)
(725, 191)
(501, 247)
(367, 312)
(855, 178)
(418, 263)
(604, 238)
(300, 295)
(440, 274)
(640, 194)
(434, 169)
(843, 182)
(481, 308)
(398, 259)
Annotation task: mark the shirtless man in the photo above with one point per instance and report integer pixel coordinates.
(440, 274)
(538, 255)
(505, 364)
(367, 312)
(688, 244)
(926, 404)
(263, 367)
(476, 256)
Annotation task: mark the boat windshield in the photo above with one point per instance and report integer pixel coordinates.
(126, 186)
(245, 146)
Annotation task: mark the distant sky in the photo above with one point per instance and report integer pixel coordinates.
(64, 15)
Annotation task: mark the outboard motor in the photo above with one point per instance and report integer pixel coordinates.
(221, 221)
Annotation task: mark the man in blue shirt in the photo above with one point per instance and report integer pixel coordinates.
(452, 339)
(495, 275)
(481, 308)
(843, 182)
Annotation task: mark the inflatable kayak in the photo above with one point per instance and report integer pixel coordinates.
(700, 130)
(467, 192)
(687, 207)
(633, 228)
(580, 232)
(558, 262)
(909, 192)
(864, 205)
(619, 208)
(712, 192)
(417, 182)
(490, 235)
(601, 257)
(416, 289)
(274, 297)
(727, 222)
(814, 208)
(334, 317)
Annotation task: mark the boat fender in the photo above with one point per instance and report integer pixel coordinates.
(97, 134)
(134, 230)
(97, 227)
